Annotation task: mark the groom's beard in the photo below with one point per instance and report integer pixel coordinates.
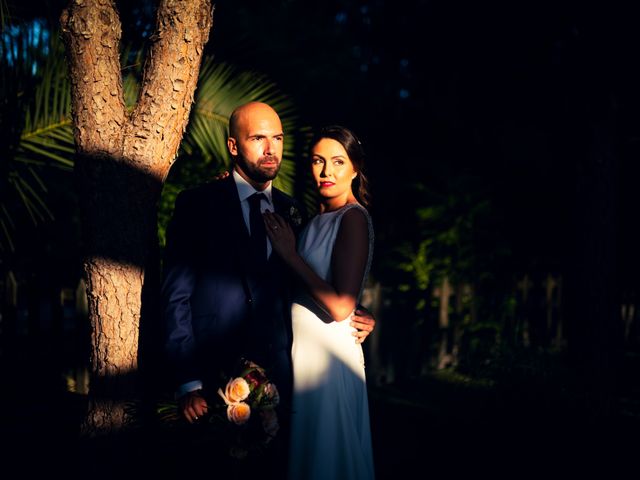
(261, 172)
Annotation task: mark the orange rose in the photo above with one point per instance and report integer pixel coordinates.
(237, 390)
(238, 413)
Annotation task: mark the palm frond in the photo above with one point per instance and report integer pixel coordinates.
(131, 61)
(35, 124)
(4, 15)
(47, 134)
(221, 89)
(7, 225)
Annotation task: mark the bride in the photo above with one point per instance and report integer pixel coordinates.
(330, 432)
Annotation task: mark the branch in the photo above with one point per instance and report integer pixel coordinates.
(169, 82)
(91, 31)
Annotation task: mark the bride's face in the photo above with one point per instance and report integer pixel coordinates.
(332, 169)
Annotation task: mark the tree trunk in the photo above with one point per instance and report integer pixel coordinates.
(123, 160)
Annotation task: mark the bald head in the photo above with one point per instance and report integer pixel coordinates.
(250, 112)
(256, 142)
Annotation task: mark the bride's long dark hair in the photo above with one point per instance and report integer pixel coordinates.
(354, 149)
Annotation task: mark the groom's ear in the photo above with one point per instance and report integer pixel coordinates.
(232, 146)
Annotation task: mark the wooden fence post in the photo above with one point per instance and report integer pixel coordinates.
(464, 291)
(82, 303)
(443, 293)
(555, 327)
(523, 315)
(372, 300)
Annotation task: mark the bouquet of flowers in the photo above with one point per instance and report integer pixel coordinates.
(242, 416)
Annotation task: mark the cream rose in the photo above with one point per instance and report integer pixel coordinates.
(238, 413)
(237, 390)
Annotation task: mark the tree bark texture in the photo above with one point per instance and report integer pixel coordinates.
(123, 159)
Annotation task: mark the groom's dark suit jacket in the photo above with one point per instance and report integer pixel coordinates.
(217, 305)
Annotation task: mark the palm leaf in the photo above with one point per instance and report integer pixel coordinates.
(4, 14)
(48, 134)
(35, 123)
(221, 89)
(131, 61)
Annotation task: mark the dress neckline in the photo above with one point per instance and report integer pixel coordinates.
(338, 209)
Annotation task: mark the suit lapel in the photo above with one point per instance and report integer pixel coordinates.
(280, 203)
(239, 228)
(286, 207)
(234, 229)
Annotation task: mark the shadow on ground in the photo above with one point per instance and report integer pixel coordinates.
(438, 424)
(429, 427)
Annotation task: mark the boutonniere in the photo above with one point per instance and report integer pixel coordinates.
(294, 216)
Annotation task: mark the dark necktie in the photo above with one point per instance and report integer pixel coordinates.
(258, 233)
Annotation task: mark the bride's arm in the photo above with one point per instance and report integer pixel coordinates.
(348, 262)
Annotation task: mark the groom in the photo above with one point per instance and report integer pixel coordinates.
(224, 294)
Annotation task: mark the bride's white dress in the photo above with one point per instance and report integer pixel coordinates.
(330, 436)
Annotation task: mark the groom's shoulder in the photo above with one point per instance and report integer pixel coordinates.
(288, 200)
(285, 197)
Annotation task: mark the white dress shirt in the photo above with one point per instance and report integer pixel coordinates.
(245, 190)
